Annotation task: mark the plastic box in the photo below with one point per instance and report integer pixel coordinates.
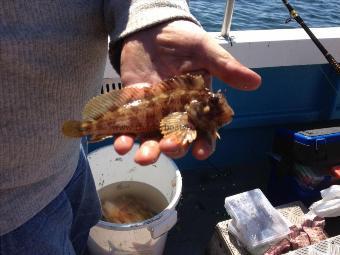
(310, 146)
(255, 222)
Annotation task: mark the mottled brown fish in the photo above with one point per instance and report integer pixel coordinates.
(180, 107)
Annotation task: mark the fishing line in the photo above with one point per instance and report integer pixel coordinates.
(294, 15)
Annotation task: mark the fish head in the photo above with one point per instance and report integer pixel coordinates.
(218, 109)
(211, 112)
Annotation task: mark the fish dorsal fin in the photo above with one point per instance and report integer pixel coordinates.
(99, 105)
(185, 81)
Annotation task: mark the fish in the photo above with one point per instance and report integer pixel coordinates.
(126, 209)
(181, 108)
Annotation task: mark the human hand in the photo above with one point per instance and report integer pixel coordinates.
(169, 49)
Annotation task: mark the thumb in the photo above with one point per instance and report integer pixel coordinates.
(224, 66)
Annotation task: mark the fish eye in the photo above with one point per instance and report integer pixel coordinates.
(214, 99)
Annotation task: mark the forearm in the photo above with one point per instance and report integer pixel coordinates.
(125, 17)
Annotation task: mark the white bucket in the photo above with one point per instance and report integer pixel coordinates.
(146, 237)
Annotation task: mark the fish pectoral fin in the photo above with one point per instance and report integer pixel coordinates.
(98, 138)
(177, 125)
(111, 101)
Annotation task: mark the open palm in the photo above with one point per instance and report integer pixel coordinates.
(169, 49)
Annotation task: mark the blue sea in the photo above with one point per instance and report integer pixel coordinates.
(266, 14)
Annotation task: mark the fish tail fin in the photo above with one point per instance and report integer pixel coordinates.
(73, 128)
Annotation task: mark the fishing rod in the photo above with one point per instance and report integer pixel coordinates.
(294, 15)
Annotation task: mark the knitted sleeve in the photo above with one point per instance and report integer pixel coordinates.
(124, 17)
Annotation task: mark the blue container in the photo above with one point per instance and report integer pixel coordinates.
(316, 146)
(285, 186)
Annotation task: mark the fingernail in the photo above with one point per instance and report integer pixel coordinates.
(204, 150)
(145, 150)
(174, 150)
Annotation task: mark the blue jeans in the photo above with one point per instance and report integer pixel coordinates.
(62, 227)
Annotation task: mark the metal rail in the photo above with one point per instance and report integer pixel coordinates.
(228, 16)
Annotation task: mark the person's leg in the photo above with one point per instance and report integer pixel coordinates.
(46, 233)
(62, 227)
(82, 194)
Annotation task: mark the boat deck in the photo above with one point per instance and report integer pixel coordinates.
(202, 204)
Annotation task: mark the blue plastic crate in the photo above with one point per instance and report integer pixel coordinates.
(313, 144)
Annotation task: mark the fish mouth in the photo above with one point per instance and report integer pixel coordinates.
(229, 120)
(228, 117)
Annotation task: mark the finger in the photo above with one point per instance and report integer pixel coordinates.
(172, 148)
(203, 147)
(148, 153)
(224, 66)
(155, 136)
(123, 144)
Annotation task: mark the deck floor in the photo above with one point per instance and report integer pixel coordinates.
(202, 204)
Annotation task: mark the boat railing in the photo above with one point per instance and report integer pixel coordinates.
(228, 16)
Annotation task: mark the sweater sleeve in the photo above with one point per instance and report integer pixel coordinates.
(124, 17)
